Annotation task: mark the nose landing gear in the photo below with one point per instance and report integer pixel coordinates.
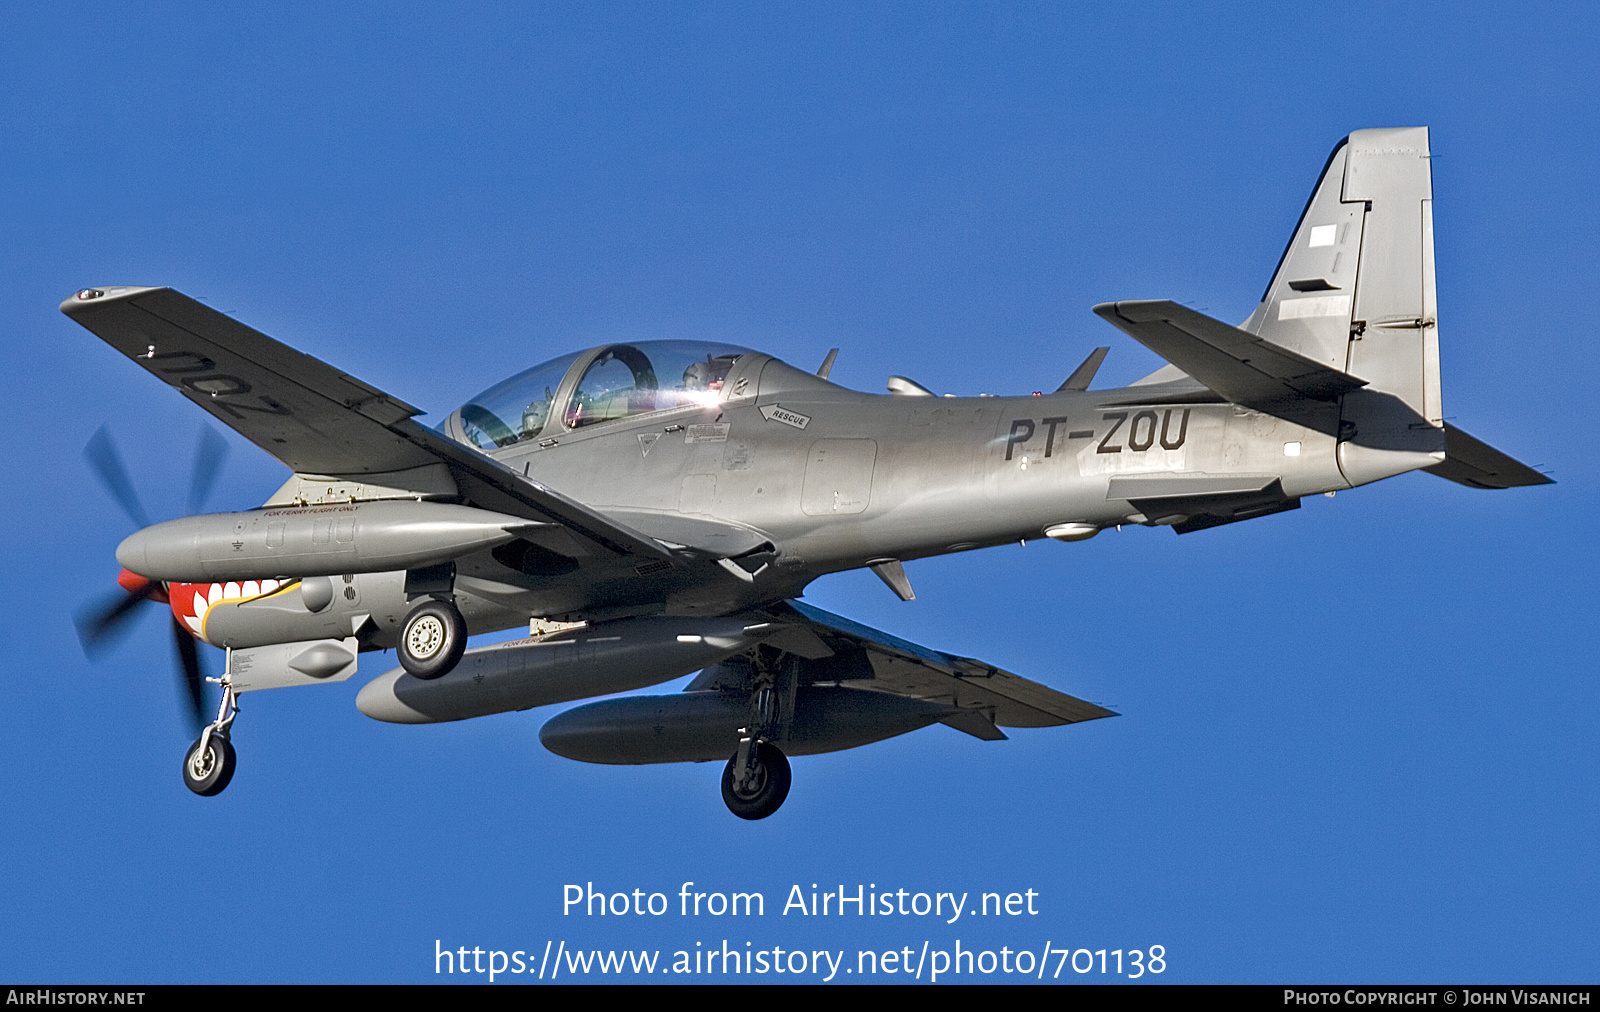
(209, 764)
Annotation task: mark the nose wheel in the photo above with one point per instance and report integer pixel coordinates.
(208, 766)
(756, 787)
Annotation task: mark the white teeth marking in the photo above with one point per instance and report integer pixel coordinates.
(204, 599)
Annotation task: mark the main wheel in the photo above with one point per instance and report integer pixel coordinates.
(432, 639)
(769, 784)
(207, 773)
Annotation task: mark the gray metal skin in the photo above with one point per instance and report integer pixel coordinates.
(696, 726)
(328, 540)
(837, 479)
(917, 476)
(726, 509)
(879, 477)
(596, 660)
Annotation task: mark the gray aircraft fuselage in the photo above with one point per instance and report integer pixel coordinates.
(839, 479)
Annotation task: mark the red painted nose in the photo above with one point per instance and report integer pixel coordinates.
(133, 583)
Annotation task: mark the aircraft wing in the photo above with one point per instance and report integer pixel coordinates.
(1235, 363)
(313, 417)
(987, 695)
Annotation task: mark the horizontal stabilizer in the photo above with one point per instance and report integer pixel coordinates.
(1474, 463)
(1235, 363)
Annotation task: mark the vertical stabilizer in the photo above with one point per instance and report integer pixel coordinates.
(1355, 291)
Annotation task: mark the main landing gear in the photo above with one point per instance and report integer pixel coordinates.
(432, 639)
(434, 635)
(756, 779)
(209, 764)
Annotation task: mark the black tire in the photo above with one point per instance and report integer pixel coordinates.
(209, 775)
(432, 639)
(771, 784)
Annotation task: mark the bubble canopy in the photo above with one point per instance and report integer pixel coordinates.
(616, 381)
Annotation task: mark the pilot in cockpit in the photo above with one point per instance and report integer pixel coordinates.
(707, 375)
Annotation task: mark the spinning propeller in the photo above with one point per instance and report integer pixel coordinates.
(101, 625)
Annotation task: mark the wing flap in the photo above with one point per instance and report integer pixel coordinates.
(714, 538)
(902, 668)
(978, 723)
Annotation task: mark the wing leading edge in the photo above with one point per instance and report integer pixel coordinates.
(311, 416)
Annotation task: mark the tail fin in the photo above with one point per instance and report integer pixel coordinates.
(1355, 292)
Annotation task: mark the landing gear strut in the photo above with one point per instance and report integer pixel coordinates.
(757, 777)
(209, 764)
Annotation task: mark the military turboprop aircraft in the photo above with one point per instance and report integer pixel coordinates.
(656, 508)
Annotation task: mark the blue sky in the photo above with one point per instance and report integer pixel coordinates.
(1357, 740)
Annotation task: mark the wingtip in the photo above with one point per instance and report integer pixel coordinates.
(89, 298)
(1139, 310)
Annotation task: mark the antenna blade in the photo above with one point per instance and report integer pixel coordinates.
(894, 576)
(827, 363)
(1084, 374)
